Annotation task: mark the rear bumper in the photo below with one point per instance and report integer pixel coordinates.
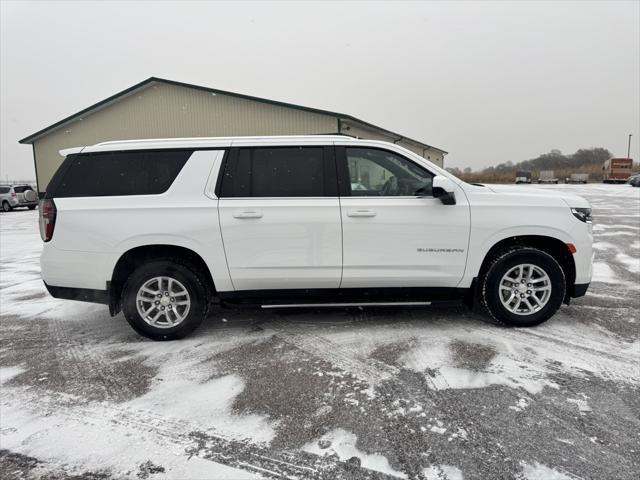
(14, 202)
(73, 269)
(579, 290)
(79, 294)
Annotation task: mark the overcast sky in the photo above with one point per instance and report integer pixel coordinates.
(488, 82)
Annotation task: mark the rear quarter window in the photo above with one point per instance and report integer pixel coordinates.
(4, 189)
(120, 173)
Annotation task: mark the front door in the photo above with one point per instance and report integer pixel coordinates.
(280, 218)
(395, 233)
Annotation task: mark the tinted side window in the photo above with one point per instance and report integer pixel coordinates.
(121, 173)
(279, 172)
(374, 172)
(4, 189)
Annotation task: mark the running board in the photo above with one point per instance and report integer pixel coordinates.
(350, 304)
(341, 297)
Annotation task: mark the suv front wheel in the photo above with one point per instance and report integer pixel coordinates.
(523, 287)
(165, 300)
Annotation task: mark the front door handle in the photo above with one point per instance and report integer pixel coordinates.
(248, 214)
(361, 213)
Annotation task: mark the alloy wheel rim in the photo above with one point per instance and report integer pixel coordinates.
(163, 302)
(525, 289)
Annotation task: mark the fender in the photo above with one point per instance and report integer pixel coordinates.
(477, 254)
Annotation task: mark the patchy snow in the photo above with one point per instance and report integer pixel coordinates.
(442, 472)
(96, 438)
(520, 405)
(591, 293)
(581, 403)
(209, 405)
(198, 469)
(600, 227)
(537, 471)
(603, 273)
(343, 444)
(521, 358)
(7, 373)
(631, 263)
(603, 246)
(506, 368)
(461, 434)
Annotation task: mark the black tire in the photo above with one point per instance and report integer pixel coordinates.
(31, 207)
(6, 207)
(500, 265)
(192, 280)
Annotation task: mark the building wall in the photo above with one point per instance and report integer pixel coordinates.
(162, 110)
(165, 111)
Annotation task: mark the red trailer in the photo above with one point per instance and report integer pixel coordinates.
(617, 170)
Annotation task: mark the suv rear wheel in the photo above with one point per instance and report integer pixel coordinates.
(6, 207)
(523, 287)
(165, 300)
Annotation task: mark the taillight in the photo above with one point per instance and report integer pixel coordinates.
(13, 194)
(47, 211)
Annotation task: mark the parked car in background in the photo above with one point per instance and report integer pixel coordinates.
(523, 176)
(158, 228)
(546, 176)
(14, 196)
(634, 180)
(617, 170)
(578, 178)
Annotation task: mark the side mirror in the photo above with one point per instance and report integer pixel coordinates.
(444, 189)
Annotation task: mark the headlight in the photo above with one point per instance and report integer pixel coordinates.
(582, 214)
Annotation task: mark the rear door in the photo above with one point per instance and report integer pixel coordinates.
(395, 233)
(279, 215)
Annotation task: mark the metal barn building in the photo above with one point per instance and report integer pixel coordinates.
(159, 108)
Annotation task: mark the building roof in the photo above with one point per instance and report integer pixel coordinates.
(34, 136)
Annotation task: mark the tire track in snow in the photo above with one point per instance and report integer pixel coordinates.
(621, 370)
(390, 386)
(82, 361)
(208, 445)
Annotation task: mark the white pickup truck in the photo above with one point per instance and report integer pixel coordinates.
(159, 228)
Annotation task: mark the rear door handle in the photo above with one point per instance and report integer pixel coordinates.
(248, 214)
(361, 213)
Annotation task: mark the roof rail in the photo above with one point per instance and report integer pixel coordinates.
(341, 134)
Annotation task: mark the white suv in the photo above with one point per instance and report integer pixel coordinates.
(158, 228)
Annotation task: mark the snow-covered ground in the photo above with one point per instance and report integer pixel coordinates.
(433, 393)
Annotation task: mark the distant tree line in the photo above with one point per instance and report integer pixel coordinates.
(585, 160)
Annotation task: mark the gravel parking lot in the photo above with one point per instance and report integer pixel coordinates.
(435, 393)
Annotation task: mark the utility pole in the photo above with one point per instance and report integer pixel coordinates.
(629, 147)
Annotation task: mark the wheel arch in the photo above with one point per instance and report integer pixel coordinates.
(136, 256)
(551, 245)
